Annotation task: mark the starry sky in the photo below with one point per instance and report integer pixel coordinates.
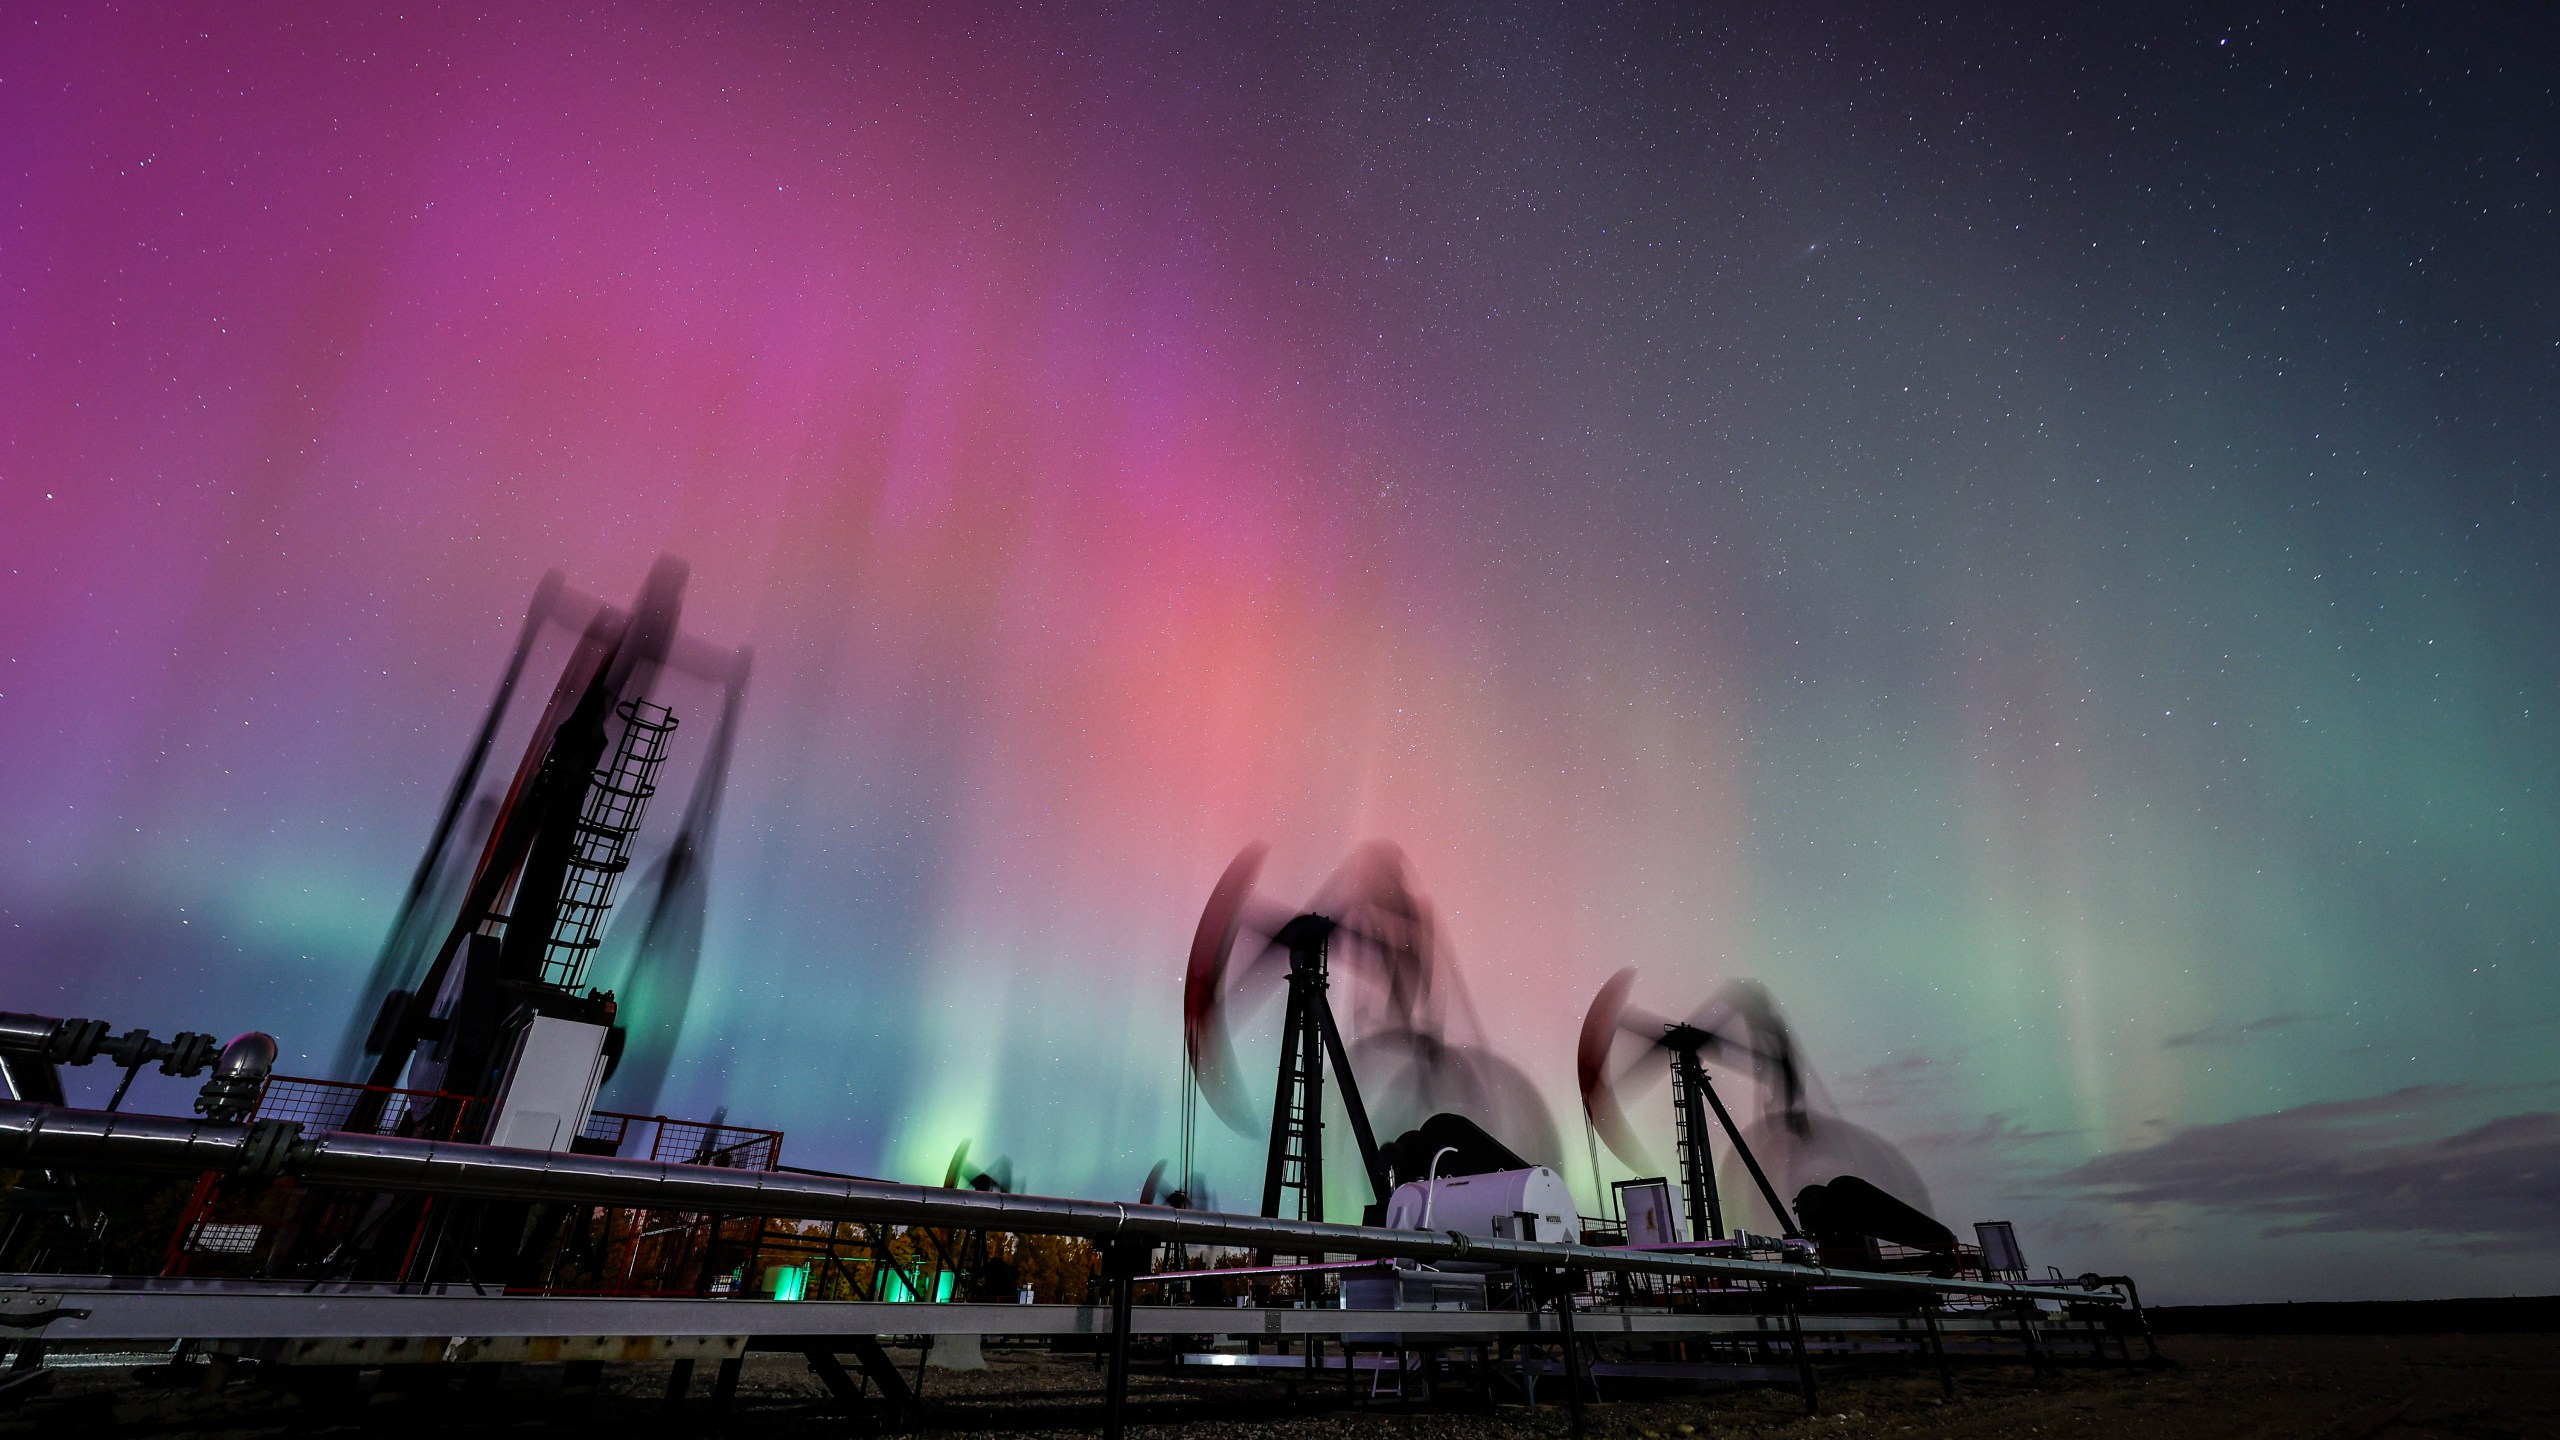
(2029, 535)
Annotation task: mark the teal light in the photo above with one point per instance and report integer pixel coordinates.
(893, 1288)
(791, 1282)
(942, 1289)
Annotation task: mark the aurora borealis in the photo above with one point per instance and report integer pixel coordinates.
(2031, 537)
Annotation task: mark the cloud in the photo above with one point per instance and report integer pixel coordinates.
(2231, 1034)
(2388, 1163)
(1910, 1078)
(1998, 1133)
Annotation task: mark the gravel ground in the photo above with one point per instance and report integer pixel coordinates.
(2330, 1387)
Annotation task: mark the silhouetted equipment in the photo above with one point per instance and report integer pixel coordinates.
(1367, 924)
(50, 1221)
(656, 969)
(496, 1016)
(1309, 1036)
(1848, 1209)
(1155, 1191)
(1738, 1009)
(1471, 1151)
(1187, 1196)
(970, 1267)
(995, 1179)
(1798, 1143)
(488, 945)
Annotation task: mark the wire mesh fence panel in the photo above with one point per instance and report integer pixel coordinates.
(606, 1128)
(340, 1105)
(730, 1147)
(685, 1142)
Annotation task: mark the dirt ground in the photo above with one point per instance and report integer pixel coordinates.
(2329, 1387)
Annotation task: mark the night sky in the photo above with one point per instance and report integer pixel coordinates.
(2033, 538)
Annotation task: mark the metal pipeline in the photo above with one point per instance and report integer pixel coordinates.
(27, 1034)
(63, 1138)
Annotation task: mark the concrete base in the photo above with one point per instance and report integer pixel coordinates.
(955, 1352)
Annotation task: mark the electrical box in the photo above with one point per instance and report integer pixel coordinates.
(2000, 1253)
(1414, 1288)
(1408, 1287)
(1650, 1218)
(551, 1083)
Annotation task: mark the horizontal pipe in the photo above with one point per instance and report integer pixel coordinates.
(64, 1138)
(26, 1034)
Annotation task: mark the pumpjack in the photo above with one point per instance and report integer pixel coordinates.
(486, 997)
(1739, 1022)
(1367, 924)
(1310, 1038)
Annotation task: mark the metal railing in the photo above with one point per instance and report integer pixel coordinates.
(340, 1107)
(684, 1142)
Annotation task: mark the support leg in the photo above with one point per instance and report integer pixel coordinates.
(578, 1380)
(724, 1384)
(2027, 1332)
(679, 1384)
(26, 1374)
(2142, 1321)
(1804, 1358)
(1116, 1384)
(873, 1357)
(1938, 1352)
(217, 1373)
(1122, 1262)
(1572, 1350)
(832, 1374)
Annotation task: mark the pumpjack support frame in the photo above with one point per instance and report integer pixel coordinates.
(1309, 1039)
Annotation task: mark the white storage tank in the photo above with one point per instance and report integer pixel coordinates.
(1531, 1204)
